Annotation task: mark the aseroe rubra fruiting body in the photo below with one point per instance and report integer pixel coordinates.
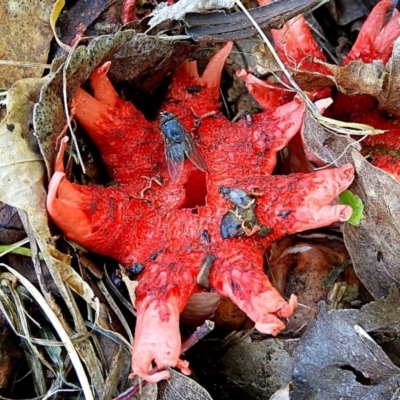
(170, 227)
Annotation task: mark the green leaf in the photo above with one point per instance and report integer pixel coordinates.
(354, 201)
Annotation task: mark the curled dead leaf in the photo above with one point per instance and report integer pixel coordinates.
(299, 264)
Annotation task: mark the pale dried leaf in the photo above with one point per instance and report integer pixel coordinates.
(324, 145)
(389, 97)
(21, 166)
(178, 10)
(181, 387)
(282, 394)
(148, 392)
(378, 236)
(25, 35)
(354, 78)
(117, 372)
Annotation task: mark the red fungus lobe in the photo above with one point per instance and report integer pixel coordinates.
(170, 227)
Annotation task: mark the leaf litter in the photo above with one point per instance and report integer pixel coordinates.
(378, 233)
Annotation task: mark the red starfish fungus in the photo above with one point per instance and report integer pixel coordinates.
(295, 45)
(231, 212)
(375, 42)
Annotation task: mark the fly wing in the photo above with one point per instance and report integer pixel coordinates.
(193, 153)
(175, 157)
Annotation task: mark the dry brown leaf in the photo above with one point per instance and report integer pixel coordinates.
(21, 165)
(389, 97)
(119, 367)
(25, 35)
(79, 16)
(299, 264)
(324, 145)
(22, 174)
(311, 81)
(358, 77)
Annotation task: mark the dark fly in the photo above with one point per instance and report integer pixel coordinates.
(237, 196)
(178, 145)
(231, 226)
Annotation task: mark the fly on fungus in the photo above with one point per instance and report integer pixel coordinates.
(134, 225)
(178, 144)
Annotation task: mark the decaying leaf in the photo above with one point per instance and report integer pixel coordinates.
(21, 166)
(321, 144)
(299, 264)
(374, 245)
(253, 369)
(177, 11)
(25, 36)
(182, 387)
(266, 62)
(356, 77)
(377, 264)
(11, 228)
(76, 19)
(337, 359)
(389, 96)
